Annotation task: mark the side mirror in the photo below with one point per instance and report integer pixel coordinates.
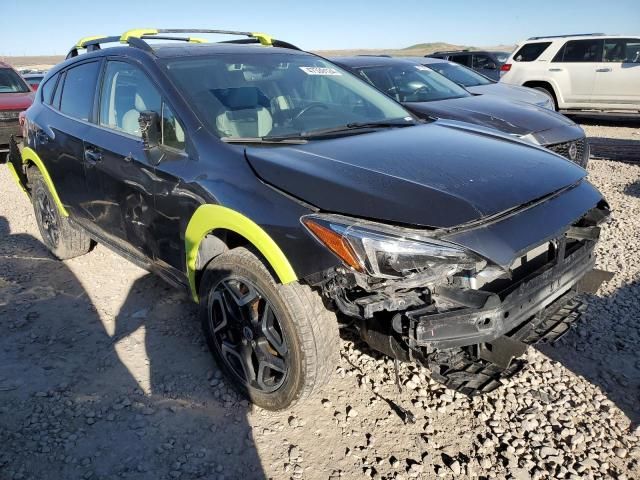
(150, 129)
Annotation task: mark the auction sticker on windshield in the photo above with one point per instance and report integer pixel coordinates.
(320, 71)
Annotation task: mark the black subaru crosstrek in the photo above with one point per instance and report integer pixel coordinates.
(287, 195)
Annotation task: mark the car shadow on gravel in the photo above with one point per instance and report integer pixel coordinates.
(603, 347)
(83, 395)
(621, 150)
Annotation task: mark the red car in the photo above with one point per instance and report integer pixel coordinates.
(15, 96)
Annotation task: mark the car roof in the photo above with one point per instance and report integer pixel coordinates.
(428, 60)
(563, 38)
(168, 50)
(370, 61)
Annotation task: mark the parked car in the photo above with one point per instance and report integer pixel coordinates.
(478, 84)
(487, 63)
(581, 72)
(15, 96)
(33, 79)
(277, 189)
(428, 94)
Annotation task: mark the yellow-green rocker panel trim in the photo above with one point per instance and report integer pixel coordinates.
(208, 218)
(29, 155)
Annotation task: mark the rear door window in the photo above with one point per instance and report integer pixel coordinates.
(464, 59)
(48, 88)
(79, 90)
(621, 50)
(580, 51)
(482, 61)
(531, 51)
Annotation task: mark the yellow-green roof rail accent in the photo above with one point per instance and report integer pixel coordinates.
(263, 38)
(138, 33)
(84, 40)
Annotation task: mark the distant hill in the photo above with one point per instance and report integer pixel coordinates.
(417, 50)
(38, 61)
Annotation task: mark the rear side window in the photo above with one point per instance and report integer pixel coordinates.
(622, 50)
(48, 88)
(79, 89)
(531, 51)
(483, 61)
(580, 51)
(461, 59)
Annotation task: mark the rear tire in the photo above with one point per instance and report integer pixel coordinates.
(61, 237)
(277, 344)
(550, 93)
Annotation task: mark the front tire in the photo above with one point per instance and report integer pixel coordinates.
(60, 236)
(277, 344)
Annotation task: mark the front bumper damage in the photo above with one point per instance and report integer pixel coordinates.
(498, 316)
(470, 334)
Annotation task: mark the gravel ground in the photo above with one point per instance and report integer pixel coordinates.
(104, 374)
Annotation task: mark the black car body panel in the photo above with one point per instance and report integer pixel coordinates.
(445, 186)
(509, 116)
(430, 175)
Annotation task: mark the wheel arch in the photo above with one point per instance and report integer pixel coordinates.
(31, 159)
(213, 224)
(545, 84)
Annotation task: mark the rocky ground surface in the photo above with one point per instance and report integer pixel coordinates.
(104, 374)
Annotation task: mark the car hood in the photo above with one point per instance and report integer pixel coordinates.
(16, 101)
(438, 175)
(512, 92)
(509, 116)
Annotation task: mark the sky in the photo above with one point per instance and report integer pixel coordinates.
(49, 27)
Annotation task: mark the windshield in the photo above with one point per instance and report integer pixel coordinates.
(459, 74)
(251, 95)
(10, 82)
(412, 83)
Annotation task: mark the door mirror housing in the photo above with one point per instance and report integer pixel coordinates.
(150, 129)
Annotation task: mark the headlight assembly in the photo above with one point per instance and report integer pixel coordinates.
(385, 251)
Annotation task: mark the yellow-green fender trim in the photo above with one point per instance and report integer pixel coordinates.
(208, 218)
(29, 155)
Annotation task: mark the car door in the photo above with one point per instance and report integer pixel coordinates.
(59, 130)
(485, 65)
(618, 76)
(119, 174)
(574, 70)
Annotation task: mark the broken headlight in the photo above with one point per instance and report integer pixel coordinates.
(385, 251)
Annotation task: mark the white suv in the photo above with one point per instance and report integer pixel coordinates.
(581, 72)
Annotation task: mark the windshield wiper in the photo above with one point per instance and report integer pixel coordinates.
(265, 140)
(352, 127)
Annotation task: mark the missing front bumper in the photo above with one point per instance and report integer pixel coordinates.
(470, 326)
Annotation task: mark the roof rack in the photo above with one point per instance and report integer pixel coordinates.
(137, 37)
(439, 52)
(568, 35)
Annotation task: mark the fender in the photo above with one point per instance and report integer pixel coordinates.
(208, 218)
(29, 155)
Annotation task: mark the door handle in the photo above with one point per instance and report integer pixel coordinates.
(603, 70)
(92, 156)
(555, 69)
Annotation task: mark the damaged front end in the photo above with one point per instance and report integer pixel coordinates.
(466, 302)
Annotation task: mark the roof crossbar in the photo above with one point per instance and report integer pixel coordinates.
(137, 37)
